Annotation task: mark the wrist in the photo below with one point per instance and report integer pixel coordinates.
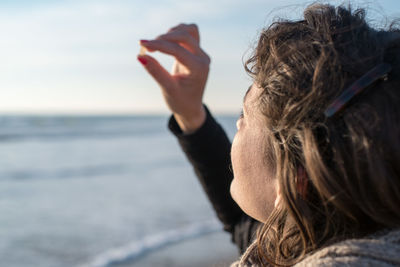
(192, 123)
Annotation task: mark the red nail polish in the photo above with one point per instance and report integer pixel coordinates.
(144, 41)
(142, 60)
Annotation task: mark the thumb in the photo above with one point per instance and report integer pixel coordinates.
(158, 72)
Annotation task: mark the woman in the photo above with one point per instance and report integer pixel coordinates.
(317, 153)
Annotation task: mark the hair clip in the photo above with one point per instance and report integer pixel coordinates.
(378, 72)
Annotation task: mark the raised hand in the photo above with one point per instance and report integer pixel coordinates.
(183, 88)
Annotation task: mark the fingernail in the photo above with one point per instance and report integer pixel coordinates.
(142, 60)
(143, 42)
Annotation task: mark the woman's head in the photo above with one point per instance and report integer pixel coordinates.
(352, 159)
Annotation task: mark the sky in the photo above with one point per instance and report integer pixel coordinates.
(79, 56)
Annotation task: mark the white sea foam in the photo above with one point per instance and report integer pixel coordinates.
(137, 249)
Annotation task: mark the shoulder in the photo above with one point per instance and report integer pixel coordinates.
(381, 249)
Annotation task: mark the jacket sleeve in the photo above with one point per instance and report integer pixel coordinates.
(208, 150)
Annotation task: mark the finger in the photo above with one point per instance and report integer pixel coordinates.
(183, 38)
(158, 72)
(192, 29)
(173, 49)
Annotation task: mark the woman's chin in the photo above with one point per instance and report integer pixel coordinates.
(244, 202)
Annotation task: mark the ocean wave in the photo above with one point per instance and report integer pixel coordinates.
(111, 134)
(137, 249)
(61, 173)
(20, 128)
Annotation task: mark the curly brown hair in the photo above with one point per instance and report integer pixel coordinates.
(352, 160)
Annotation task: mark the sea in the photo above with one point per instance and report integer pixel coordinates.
(96, 190)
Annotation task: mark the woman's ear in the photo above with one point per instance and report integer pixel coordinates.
(302, 182)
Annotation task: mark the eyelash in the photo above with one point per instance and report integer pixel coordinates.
(241, 114)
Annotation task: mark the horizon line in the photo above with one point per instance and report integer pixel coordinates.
(102, 113)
